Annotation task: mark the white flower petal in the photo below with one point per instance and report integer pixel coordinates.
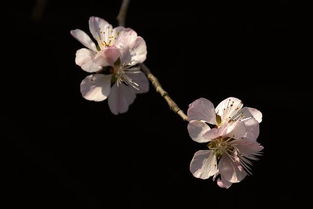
(202, 109)
(231, 170)
(256, 114)
(249, 149)
(126, 57)
(203, 164)
(108, 56)
(221, 182)
(120, 98)
(86, 59)
(243, 114)
(252, 129)
(99, 28)
(126, 42)
(126, 38)
(138, 51)
(96, 87)
(228, 108)
(117, 30)
(83, 38)
(213, 134)
(236, 130)
(140, 79)
(197, 129)
(251, 124)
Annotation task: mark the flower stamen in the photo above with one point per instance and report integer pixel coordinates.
(221, 146)
(121, 77)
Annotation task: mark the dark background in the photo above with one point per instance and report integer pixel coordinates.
(61, 151)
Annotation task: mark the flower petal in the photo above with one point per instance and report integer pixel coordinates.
(230, 170)
(252, 129)
(126, 38)
(98, 28)
(247, 113)
(202, 109)
(138, 51)
(140, 79)
(96, 87)
(83, 38)
(213, 133)
(86, 59)
(248, 149)
(126, 42)
(236, 130)
(228, 108)
(256, 114)
(221, 182)
(117, 30)
(109, 55)
(120, 98)
(197, 129)
(203, 164)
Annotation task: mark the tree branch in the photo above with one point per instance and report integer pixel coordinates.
(38, 10)
(155, 82)
(121, 17)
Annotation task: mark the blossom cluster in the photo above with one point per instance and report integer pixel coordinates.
(230, 130)
(231, 139)
(113, 62)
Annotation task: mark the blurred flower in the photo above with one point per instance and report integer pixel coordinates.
(113, 60)
(232, 142)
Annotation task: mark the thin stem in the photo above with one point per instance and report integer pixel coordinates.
(39, 9)
(121, 17)
(155, 82)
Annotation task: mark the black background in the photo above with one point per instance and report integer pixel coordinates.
(62, 151)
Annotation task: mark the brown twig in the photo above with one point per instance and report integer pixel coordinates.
(121, 17)
(155, 82)
(38, 10)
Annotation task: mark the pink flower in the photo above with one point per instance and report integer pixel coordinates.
(231, 142)
(113, 61)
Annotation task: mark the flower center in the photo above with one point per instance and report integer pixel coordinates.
(120, 75)
(108, 38)
(221, 146)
